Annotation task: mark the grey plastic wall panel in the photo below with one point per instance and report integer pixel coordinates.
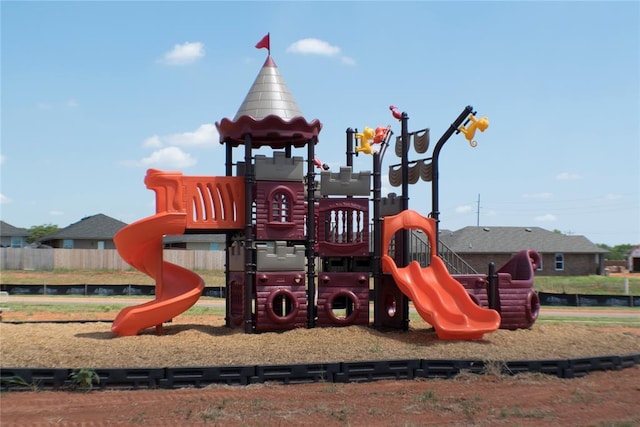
(236, 257)
(280, 257)
(279, 167)
(345, 182)
(390, 205)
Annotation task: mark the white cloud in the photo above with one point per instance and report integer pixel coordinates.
(463, 209)
(4, 199)
(348, 60)
(545, 195)
(56, 213)
(72, 103)
(44, 106)
(3, 158)
(311, 46)
(563, 176)
(168, 158)
(205, 135)
(546, 218)
(152, 142)
(184, 54)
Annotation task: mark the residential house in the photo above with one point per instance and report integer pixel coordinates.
(91, 232)
(561, 255)
(202, 242)
(13, 237)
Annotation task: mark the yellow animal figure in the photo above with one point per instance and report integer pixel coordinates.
(476, 124)
(366, 138)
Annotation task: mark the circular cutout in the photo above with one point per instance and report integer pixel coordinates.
(532, 306)
(282, 306)
(342, 307)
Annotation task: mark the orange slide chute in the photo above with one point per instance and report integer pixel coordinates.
(439, 298)
(177, 289)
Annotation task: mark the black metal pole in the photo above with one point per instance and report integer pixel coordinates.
(492, 287)
(311, 236)
(453, 128)
(350, 133)
(250, 272)
(405, 255)
(228, 241)
(377, 236)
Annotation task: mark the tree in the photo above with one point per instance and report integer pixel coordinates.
(38, 231)
(617, 252)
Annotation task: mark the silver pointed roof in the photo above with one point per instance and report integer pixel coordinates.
(269, 96)
(269, 116)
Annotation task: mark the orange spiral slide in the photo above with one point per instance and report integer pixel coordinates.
(177, 289)
(439, 298)
(182, 203)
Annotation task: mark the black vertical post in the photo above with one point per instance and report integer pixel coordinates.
(311, 235)
(228, 242)
(250, 272)
(406, 248)
(492, 287)
(435, 212)
(377, 236)
(350, 133)
(287, 151)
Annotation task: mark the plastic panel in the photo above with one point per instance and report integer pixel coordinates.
(345, 182)
(280, 257)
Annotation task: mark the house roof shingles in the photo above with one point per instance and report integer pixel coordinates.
(8, 230)
(100, 227)
(514, 239)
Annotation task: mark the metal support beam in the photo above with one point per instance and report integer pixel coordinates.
(250, 267)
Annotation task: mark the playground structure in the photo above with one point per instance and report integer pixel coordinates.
(279, 221)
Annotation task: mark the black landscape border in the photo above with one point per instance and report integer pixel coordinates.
(337, 372)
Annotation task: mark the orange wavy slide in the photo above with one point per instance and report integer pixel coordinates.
(177, 289)
(439, 298)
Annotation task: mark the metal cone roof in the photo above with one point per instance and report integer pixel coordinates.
(269, 95)
(269, 114)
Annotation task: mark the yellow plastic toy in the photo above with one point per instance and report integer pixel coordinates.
(476, 124)
(365, 139)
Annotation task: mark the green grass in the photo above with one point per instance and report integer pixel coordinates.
(93, 277)
(109, 309)
(551, 319)
(588, 285)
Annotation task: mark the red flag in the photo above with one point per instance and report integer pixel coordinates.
(264, 43)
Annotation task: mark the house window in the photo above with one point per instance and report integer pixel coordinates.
(214, 246)
(280, 207)
(16, 242)
(100, 244)
(67, 244)
(559, 260)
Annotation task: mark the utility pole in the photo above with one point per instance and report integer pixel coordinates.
(478, 212)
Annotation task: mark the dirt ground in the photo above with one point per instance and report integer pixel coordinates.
(599, 399)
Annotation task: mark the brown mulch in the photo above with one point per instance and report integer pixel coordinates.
(601, 398)
(205, 341)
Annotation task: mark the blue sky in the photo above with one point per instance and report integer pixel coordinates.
(95, 93)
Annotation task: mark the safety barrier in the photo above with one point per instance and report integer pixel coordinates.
(546, 298)
(338, 372)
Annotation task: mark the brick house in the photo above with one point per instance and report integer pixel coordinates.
(561, 255)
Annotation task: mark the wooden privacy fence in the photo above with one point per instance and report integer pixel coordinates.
(107, 259)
